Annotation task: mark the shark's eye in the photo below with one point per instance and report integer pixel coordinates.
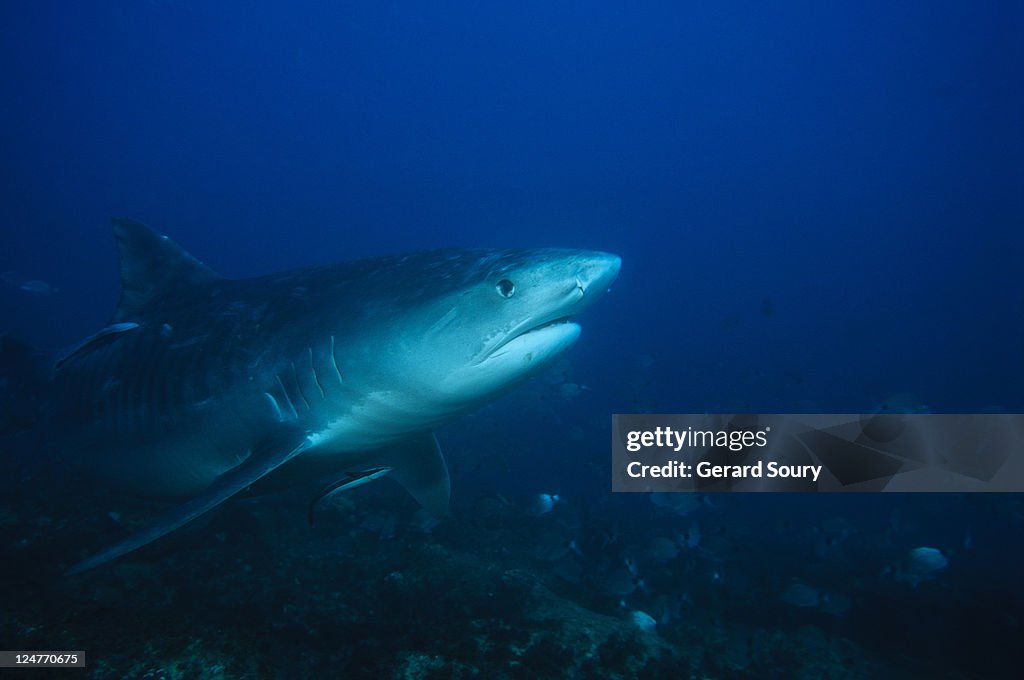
(505, 288)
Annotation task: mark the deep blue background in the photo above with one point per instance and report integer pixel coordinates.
(818, 206)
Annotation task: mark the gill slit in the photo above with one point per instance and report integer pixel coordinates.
(334, 362)
(298, 385)
(316, 378)
(284, 393)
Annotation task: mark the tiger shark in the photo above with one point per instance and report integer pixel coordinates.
(202, 386)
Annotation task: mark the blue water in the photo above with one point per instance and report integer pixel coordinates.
(819, 207)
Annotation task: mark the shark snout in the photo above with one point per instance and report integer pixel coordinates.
(596, 271)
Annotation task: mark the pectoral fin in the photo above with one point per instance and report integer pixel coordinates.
(269, 455)
(419, 467)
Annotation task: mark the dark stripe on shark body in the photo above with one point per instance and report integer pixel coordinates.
(118, 398)
(173, 370)
(151, 373)
(166, 386)
(129, 399)
(117, 381)
(137, 388)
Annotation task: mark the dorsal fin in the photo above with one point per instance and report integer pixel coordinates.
(152, 266)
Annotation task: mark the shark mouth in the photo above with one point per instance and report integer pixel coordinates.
(539, 327)
(543, 336)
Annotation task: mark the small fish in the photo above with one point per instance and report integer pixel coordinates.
(730, 322)
(383, 525)
(689, 538)
(927, 560)
(570, 570)
(618, 582)
(668, 607)
(679, 503)
(644, 621)
(34, 286)
(424, 521)
(920, 565)
(834, 604)
(350, 481)
(570, 390)
(644, 361)
(662, 549)
(801, 595)
(551, 547)
(542, 504)
(903, 402)
(38, 287)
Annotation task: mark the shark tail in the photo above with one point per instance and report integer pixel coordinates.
(22, 377)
